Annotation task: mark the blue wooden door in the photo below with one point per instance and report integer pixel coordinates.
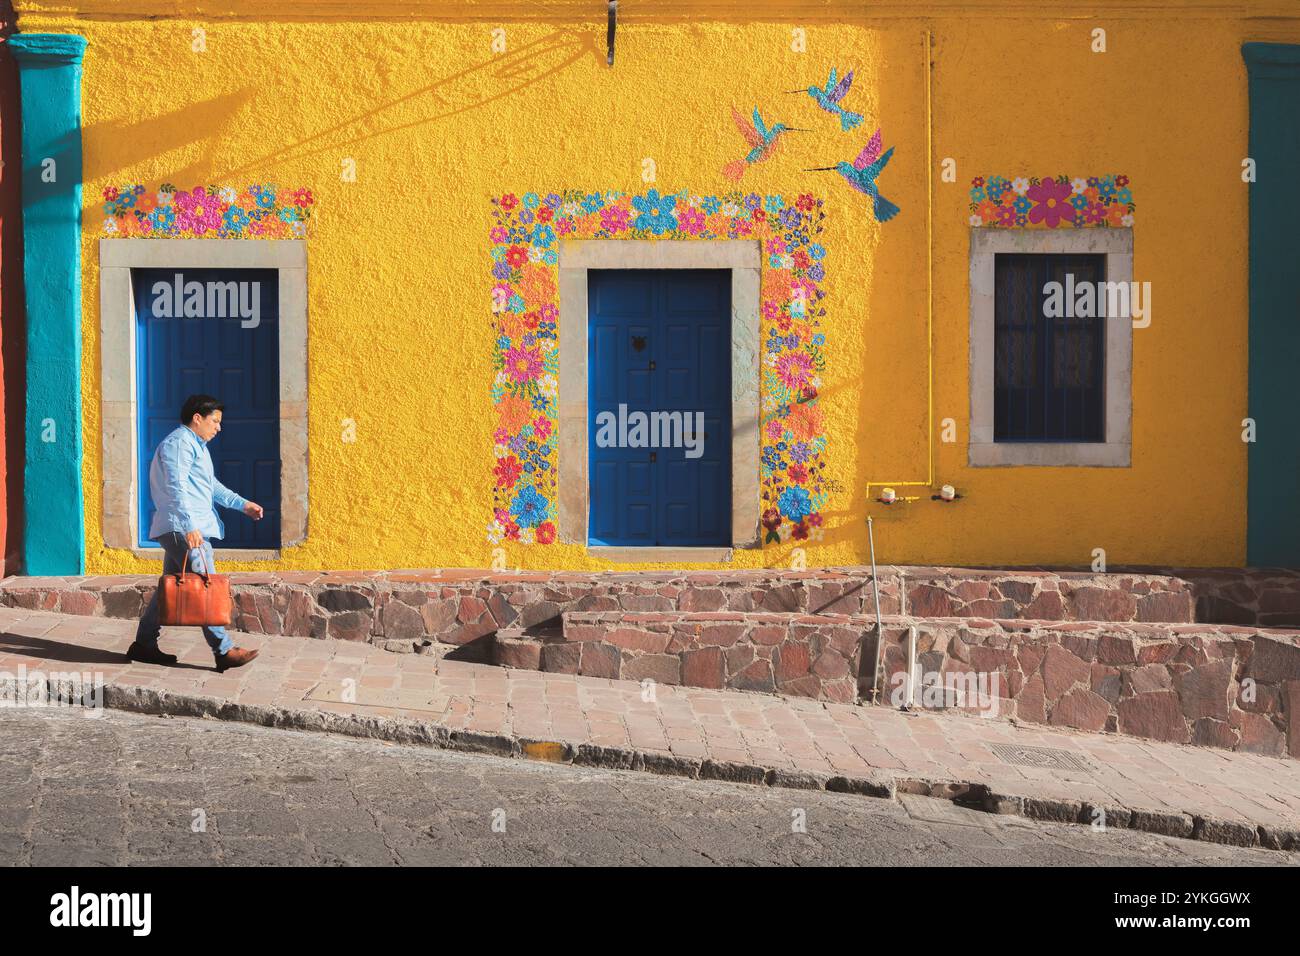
(659, 344)
(224, 354)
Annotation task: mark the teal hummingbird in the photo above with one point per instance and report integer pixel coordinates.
(829, 96)
(862, 173)
(763, 142)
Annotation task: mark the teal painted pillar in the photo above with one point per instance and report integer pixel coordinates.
(49, 65)
(1273, 460)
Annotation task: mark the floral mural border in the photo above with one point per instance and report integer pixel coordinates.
(258, 211)
(1051, 202)
(525, 236)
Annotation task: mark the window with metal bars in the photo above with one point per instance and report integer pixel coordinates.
(1049, 372)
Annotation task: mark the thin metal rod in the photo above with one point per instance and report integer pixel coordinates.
(609, 31)
(910, 700)
(875, 586)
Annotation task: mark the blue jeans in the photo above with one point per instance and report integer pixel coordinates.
(175, 551)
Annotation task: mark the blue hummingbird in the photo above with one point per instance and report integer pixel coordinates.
(862, 173)
(829, 96)
(763, 142)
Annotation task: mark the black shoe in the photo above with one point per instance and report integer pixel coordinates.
(149, 655)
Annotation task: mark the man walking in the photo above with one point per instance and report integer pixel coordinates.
(184, 491)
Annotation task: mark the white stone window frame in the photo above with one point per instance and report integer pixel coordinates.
(118, 386)
(1116, 451)
(742, 258)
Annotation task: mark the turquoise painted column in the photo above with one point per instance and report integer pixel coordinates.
(49, 65)
(1273, 462)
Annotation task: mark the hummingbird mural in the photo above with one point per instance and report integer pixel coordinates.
(763, 142)
(862, 173)
(829, 96)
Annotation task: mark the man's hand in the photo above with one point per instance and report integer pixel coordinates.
(253, 510)
(194, 539)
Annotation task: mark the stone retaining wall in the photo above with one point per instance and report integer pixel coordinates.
(409, 610)
(1214, 685)
(805, 655)
(1256, 597)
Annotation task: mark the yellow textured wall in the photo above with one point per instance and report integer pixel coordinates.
(400, 329)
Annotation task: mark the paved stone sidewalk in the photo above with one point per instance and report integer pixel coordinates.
(352, 688)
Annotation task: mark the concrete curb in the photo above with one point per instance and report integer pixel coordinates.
(882, 785)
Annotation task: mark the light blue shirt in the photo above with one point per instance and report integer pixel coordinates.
(184, 488)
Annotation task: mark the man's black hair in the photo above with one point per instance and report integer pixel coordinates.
(203, 405)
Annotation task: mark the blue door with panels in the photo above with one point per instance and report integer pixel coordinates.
(659, 344)
(220, 337)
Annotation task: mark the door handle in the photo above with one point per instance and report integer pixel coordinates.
(652, 365)
(654, 456)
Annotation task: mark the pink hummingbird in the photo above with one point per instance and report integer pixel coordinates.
(862, 173)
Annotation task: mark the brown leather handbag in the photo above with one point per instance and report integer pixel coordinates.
(194, 600)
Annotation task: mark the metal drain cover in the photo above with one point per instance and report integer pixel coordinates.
(1049, 758)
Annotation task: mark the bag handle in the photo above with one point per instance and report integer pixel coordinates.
(186, 563)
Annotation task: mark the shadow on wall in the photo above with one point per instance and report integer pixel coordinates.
(470, 89)
(13, 331)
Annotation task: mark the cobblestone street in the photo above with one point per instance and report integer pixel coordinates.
(127, 788)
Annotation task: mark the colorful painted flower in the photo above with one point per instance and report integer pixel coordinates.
(805, 421)
(546, 532)
(529, 508)
(692, 221)
(656, 213)
(516, 256)
(1051, 203)
(794, 368)
(795, 503)
(163, 219)
(514, 412)
(523, 365)
(614, 219)
(1020, 185)
(197, 212)
(235, 219)
(508, 471)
